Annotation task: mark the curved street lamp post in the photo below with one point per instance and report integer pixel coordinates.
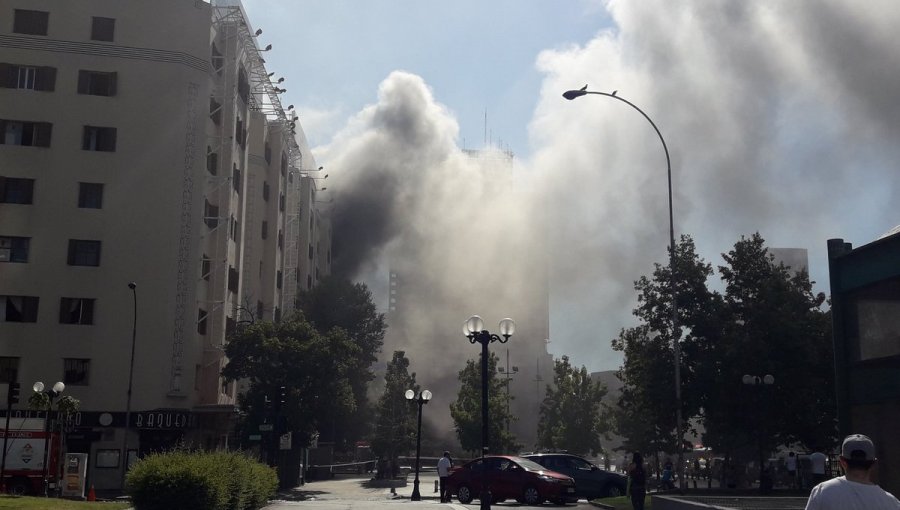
(474, 330)
(133, 287)
(676, 347)
(51, 393)
(421, 400)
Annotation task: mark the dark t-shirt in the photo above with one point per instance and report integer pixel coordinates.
(638, 477)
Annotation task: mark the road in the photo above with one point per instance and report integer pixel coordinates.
(354, 493)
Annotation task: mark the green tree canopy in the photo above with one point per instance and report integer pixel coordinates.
(466, 410)
(395, 416)
(314, 368)
(338, 303)
(571, 416)
(768, 321)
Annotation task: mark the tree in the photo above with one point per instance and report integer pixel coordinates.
(338, 303)
(774, 325)
(313, 368)
(395, 416)
(466, 410)
(647, 405)
(571, 413)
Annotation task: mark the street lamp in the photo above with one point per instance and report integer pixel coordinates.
(421, 400)
(761, 382)
(676, 347)
(133, 287)
(474, 330)
(51, 393)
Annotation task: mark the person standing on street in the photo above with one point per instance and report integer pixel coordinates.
(855, 490)
(637, 481)
(792, 470)
(443, 469)
(817, 467)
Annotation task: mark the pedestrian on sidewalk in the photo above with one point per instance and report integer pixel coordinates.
(637, 485)
(855, 490)
(817, 467)
(443, 469)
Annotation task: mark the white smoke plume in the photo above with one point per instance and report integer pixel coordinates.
(780, 117)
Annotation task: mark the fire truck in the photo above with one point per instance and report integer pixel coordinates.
(25, 440)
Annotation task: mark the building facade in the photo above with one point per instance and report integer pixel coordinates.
(145, 143)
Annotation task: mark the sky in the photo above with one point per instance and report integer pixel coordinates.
(780, 118)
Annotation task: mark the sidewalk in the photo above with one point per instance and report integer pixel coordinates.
(427, 484)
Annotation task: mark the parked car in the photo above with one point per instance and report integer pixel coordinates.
(510, 477)
(591, 482)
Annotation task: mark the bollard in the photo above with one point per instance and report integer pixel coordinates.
(435, 486)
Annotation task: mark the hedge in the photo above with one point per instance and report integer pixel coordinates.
(190, 480)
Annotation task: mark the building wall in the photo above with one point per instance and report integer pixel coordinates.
(155, 225)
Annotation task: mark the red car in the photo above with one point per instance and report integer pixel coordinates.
(510, 477)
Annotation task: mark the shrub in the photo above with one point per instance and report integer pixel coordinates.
(189, 480)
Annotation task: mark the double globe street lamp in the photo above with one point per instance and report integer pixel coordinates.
(474, 330)
(421, 400)
(676, 347)
(51, 393)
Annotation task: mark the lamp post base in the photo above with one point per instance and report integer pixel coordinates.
(416, 496)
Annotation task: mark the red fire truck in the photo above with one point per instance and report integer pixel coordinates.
(24, 469)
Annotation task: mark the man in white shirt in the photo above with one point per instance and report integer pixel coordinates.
(817, 467)
(443, 469)
(854, 490)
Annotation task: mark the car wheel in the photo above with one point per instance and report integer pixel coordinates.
(613, 491)
(464, 494)
(531, 496)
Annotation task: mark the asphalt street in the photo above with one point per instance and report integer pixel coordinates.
(354, 493)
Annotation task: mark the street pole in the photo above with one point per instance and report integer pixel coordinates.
(676, 341)
(133, 287)
(475, 332)
(421, 400)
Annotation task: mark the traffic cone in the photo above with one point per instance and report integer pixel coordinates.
(92, 496)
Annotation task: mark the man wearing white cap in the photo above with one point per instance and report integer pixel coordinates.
(854, 490)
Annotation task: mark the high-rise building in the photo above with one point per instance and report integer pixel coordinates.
(144, 142)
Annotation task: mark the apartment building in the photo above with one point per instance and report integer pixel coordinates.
(145, 143)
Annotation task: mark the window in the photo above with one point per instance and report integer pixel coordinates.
(84, 253)
(212, 161)
(16, 132)
(265, 229)
(20, 308)
(90, 195)
(277, 314)
(236, 179)
(201, 321)
(309, 281)
(15, 76)
(283, 164)
(310, 252)
(14, 249)
(279, 278)
(14, 190)
(9, 369)
(281, 202)
(205, 267)
(107, 459)
(233, 279)
(243, 85)
(211, 215)
(268, 153)
(235, 228)
(259, 310)
(266, 191)
(280, 240)
(240, 134)
(102, 29)
(216, 59)
(99, 139)
(230, 326)
(30, 22)
(97, 83)
(76, 371)
(76, 311)
(215, 111)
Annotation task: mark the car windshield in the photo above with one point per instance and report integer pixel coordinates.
(530, 465)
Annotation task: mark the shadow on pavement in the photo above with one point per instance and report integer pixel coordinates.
(298, 494)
